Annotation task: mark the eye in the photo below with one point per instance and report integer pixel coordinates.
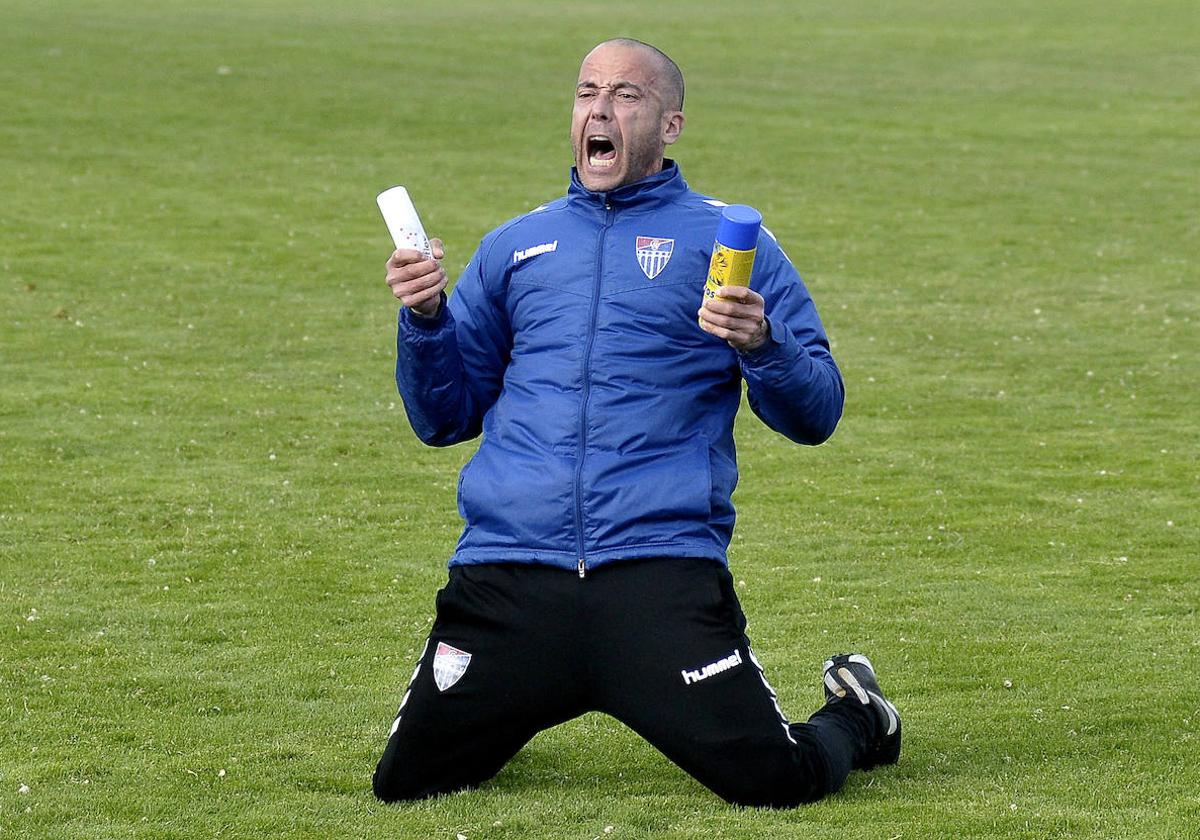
(627, 96)
(584, 93)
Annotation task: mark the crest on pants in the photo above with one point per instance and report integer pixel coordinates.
(653, 254)
(449, 665)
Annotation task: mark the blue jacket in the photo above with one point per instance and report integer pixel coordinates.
(606, 412)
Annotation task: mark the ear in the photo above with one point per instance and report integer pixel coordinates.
(672, 127)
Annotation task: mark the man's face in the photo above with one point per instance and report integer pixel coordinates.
(621, 123)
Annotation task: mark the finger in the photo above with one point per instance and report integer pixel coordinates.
(727, 305)
(729, 322)
(743, 294)
(404, 256)
(409, 285)
(733, 324)
(735, 337)
(734, 309)
(427, 271)
(417, 297)
(439, 250)
(412, 271)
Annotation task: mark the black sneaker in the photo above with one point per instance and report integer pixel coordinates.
(851, 675)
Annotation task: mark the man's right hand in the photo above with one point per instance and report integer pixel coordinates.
(417, 282)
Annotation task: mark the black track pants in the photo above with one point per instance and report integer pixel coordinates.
(657, 644)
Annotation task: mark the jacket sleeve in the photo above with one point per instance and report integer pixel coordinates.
(793, 383)
(449, 368)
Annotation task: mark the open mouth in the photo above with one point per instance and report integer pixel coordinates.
(601, 152)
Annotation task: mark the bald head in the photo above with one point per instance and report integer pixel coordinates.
(626, 113)
(669, 75)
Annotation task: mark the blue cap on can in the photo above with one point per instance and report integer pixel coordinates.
(738, 228)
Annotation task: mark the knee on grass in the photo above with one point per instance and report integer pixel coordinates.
(399, 785)
(789, 783)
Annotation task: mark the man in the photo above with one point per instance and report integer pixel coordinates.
(591, 574)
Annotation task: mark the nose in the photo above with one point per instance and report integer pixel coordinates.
(602, 105)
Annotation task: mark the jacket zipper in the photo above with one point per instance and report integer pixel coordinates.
(587, 388)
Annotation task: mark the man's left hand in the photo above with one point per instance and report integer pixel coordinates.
(737, 315)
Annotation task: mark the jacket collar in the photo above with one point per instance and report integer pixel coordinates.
(653, 191)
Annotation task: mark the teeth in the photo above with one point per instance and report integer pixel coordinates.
(597, 162)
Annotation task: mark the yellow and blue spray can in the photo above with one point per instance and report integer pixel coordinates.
(733, 251)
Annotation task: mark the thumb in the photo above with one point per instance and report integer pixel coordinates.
(436, 246)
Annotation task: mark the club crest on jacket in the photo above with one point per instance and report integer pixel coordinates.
(653, 254)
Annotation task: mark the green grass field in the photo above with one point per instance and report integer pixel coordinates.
(220, 541)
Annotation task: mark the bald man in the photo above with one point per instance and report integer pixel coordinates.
(591, 573)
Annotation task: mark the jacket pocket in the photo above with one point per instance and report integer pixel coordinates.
(519, 500)
(648, 496)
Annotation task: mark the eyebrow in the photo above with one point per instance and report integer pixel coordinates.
(618, 85)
